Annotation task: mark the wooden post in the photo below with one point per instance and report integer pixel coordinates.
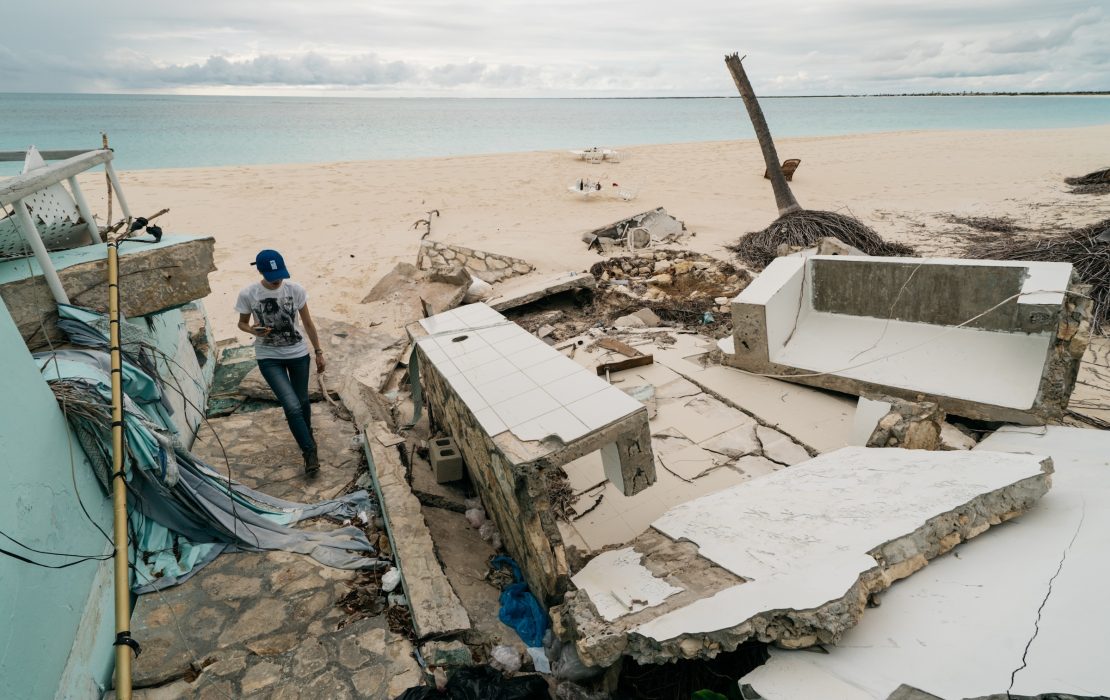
(784, 198)
(119, 192)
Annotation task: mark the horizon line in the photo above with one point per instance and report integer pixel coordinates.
(934, 93)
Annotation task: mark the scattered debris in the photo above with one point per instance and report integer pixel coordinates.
(433, 607)
(913, 425)
(635, 232)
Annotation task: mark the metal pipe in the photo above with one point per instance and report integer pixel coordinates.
(119, 192)
(119, 486)
(86, 211)
(31, 235)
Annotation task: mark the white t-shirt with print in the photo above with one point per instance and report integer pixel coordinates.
(278, 309)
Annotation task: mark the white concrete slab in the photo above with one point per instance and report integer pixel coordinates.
(960, 627)
(800, 537)
(618, 584)
(850, 500)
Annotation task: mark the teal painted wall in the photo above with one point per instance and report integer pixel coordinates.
(41, 610)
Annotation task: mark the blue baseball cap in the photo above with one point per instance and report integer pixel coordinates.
(271, 265)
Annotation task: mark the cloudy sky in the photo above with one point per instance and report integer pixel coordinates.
(569, 48)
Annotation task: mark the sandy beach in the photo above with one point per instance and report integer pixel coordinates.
(343, 225)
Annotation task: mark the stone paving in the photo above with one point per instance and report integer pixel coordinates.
(265, 624)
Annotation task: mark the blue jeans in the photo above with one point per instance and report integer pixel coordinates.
(289, 381)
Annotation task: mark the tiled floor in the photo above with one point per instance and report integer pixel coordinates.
(513, 380)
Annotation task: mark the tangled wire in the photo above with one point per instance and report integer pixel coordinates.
(804, 228)
(1087, 249)
(1097, 182)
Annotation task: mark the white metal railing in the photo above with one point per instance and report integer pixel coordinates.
(15, 190)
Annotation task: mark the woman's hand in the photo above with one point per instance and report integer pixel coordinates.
(321, 364)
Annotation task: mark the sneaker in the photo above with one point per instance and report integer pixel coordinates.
(311, 462)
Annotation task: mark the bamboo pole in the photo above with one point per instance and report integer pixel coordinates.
(119, 485)
(784, 198)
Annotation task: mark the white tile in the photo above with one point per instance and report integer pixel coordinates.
(574, 387)
(532, 356)
(509, 387)
(490, 372)
(524, 406)
(520, 342)
(559, 422)
(478, 314)
(456, 344)
(604, 407)
(442, 323)
(447, 368)
(501, 332)
(477, 358)
(467, 392)
(552, 370)
(490, 422)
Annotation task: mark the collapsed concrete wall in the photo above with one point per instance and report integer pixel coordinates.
(153, 277)
(518, 409)
(991, 340)
(489, 267)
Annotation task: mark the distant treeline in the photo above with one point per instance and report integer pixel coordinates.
(877, 94)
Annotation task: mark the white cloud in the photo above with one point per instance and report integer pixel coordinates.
(573, 47)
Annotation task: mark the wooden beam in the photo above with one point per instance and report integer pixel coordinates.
(624, 364)
(18, 187)
(619, 346)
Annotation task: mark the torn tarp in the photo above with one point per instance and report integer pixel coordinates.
(183, 512)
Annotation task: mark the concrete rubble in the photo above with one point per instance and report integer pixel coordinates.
(159, 276)
(436, 610)
(792, 557)
(987, 340)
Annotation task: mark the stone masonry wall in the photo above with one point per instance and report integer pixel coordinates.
(514, 494)
(489, 267)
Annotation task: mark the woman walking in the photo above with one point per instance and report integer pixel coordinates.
(279, 346)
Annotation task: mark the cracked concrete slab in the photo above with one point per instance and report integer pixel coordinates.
(1023, 601)
(796, 554)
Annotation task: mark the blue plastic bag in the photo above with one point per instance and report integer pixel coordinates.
(519, 608)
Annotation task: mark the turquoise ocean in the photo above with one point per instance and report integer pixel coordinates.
(174, 131)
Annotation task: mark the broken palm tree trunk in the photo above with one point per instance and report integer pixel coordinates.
(795, 225)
